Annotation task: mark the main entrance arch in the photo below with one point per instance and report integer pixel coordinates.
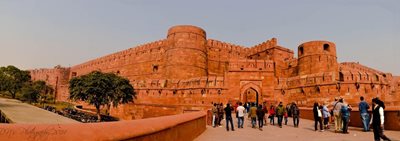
(250, 92)
(250, 95)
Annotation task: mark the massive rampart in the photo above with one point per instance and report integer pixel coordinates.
(187, 69)
(58, 78)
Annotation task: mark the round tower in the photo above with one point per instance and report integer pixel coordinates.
(185, 52)
(317, 57)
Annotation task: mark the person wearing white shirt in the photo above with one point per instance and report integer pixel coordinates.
(378, 120)
(240, 115)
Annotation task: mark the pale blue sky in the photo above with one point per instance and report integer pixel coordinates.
(45, 33)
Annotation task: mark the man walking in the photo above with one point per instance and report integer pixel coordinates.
(253, 115)
(363, 108)
(296, 114)
(280, 110)
(228, 116)
(260, 116)
(240, 115)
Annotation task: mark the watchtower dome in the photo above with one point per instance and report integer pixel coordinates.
(317, 57)
(185, 53)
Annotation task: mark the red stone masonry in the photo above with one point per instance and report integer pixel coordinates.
(189, 71)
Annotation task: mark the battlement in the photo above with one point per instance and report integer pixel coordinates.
(148, 48)
(57, 78)
(263, 46)
(358, 66)
(229, 48)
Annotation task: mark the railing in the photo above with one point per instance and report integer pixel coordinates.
(3, 118)
(183, 127)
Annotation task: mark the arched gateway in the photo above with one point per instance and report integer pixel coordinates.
(250, 92)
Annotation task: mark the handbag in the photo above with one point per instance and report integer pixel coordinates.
(331, 112)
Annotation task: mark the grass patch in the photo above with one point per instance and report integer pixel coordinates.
(58, 105)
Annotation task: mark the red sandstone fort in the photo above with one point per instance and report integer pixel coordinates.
(187, 72)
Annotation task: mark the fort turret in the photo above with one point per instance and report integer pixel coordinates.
(317, 57)
(185, 52)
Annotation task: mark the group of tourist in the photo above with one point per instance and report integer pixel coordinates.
(256, 113)
(218, 114)
(340, 114)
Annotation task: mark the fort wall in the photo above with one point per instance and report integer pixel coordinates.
(57, 78)
(186, 71)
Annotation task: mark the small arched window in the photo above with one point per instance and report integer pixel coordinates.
(301, 50)
(341, 76)
(326, 47)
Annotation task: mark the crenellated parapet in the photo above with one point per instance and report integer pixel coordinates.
(138, 53)
(262, 46)
(218, 49)
(359, 67)
(57, 78)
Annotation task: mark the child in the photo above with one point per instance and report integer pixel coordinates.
(285, 115)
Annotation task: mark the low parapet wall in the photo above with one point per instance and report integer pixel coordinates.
(392, 117)
(183, 127)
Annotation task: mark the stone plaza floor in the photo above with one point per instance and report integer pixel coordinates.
(305, 132)
(19, 112)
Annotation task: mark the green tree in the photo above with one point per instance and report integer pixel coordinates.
(101, 90)
(45, 92)
(37, 91)
(13, 79)
(29, 93)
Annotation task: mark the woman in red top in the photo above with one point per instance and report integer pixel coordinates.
(271, 115)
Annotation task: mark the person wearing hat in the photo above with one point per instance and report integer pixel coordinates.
(338, 115)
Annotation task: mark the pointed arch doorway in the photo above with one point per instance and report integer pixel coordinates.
(250, 95)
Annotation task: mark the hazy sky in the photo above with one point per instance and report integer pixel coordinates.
(45, 33)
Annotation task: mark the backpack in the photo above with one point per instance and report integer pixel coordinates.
(345, 111)
(295, 110)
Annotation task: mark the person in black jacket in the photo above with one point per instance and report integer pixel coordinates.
(296, 114)
(378, 120)
(228, 116)
(260, 116)
(317, 116)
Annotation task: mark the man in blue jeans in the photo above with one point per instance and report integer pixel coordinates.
(240, 115)
(363, 108)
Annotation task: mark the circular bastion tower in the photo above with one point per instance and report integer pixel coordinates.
(185, 52)
(317, 57)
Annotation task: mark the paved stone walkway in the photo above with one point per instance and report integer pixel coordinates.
(305, 132)
(19, 112)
